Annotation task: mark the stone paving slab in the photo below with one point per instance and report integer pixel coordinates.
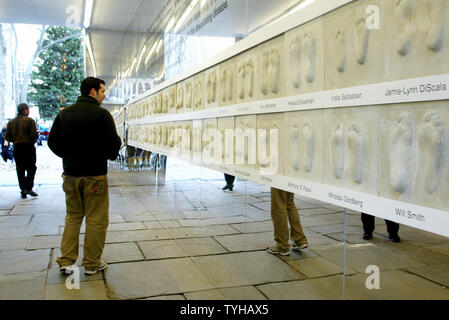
(116, 218)
(315, 210)
(14, 243)
(317, 239)
(441, 249)
(44, 230)
(173, 215)
(23, 286)
(359, 256)
(201, 246)
(265, 206)
(246, 241)
(336, 228)
(152, 225)
(4, 212)
(137, 235)
(394, 285)
(7, 203)
(162, 249)
(318, 267)
(155, 278)
(138, 217)
(438, 273)
(170, 224)
(90, 290)
(327, 288)
(246, 268)
(213, 221)
(120, 252)
(196, 232)
(236, 293)
(228, 201)
(252, 227)
(14, 232)
(425, 255)
(322, 220)
(126, 226)
(44, 242)
(14, 221)
(20, 261)
(235, 210)
(203, 214)
(32, 209)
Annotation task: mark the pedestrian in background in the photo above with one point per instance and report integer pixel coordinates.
(6, 146)
(84, 136)
(229, 182)
(22, 132)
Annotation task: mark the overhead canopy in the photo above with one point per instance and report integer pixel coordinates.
(118, 29)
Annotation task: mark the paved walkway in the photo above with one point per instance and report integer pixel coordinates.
(190, 240)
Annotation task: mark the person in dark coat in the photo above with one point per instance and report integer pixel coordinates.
(7, 153)
(22, 132)
(84, 136)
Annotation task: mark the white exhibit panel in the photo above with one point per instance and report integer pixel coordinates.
(172, 93)
(246, 141)
(187, 140)
(188, 95)
(270, 66)
(210, 153)
(246, 64)
(303, 145)
(351, 148)
(227, 83)
(212, 87)
(349, 107)
(353, 46)
(270, 146)
(197, 140)
(180, 97)
(226, 128)
(414, 144)
(199, 91)
(416, 38)
(304, 58)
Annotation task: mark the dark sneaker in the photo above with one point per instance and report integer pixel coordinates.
(394, 238)
(367, 236)
(299, 246)
(23, 195)
(32, 193)
(228, 186)
(66, 269)
(103, 265)
(277, 251)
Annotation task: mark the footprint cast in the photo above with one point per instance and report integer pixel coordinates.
(433, 144)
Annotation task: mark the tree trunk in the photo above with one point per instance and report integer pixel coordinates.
(2, 75)
(29, 69)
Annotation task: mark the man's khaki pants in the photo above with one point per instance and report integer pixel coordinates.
(89, 197)
(283, 212)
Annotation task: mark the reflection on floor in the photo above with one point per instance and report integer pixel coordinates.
(189, 239)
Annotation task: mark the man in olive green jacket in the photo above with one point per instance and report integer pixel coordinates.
(22, 132)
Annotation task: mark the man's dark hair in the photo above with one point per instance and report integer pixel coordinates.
(90, 83)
